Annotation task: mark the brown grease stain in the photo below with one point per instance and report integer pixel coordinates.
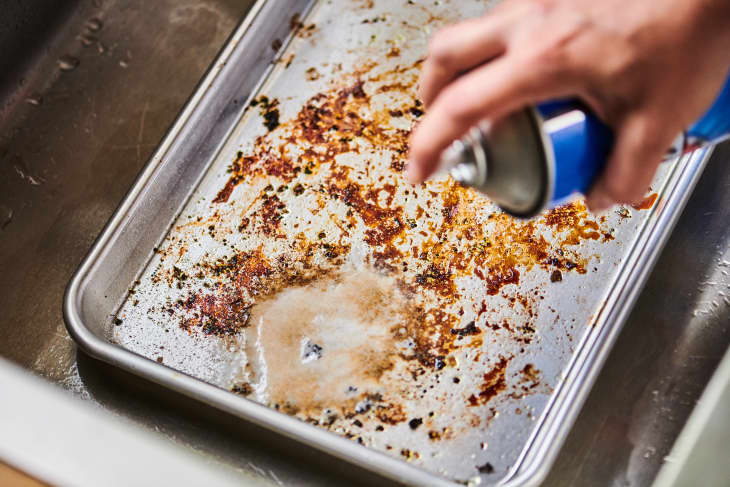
(646, 203)
(529, 380)
(350, 318)
(494, 383)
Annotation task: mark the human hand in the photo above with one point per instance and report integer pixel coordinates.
(647, 68)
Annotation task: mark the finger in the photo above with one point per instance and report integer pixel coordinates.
(639, 148)
(456, 49)
(463, 46)
(488, 92)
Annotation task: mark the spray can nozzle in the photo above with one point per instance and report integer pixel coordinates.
(462, 161)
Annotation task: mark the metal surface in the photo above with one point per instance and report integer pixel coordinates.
(699, 457)
(657, 369)
(555, 338)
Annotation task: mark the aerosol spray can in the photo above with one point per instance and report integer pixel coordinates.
(538, 157)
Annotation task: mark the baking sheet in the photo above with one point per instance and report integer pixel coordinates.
(305, 274)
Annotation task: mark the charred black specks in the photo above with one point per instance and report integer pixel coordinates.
(269, 109)
(486, 468)
(470, 329)
(243, 389)
(311, 351)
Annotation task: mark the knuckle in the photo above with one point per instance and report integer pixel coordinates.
(621, 66)
(616, 68)
(547, 61)
(649, 131)
(455, 105)
(649, 140)
(551, 52)
(439, 47)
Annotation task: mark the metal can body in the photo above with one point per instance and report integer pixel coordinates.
(535, 158)
(541, 156)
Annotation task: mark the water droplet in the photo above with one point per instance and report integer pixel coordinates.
(127, 57)
(94, 24)
(34, 99)
(6, 216)
(67, 63)
(474, 481)
(87, 39)
(23, 171)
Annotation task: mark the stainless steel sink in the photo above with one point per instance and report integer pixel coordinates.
(87, 90)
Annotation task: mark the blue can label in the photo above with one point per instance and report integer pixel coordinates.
(580, 146)
(581, 143)
(715, 123)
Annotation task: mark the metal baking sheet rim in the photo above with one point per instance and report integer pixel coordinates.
(541, 449)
